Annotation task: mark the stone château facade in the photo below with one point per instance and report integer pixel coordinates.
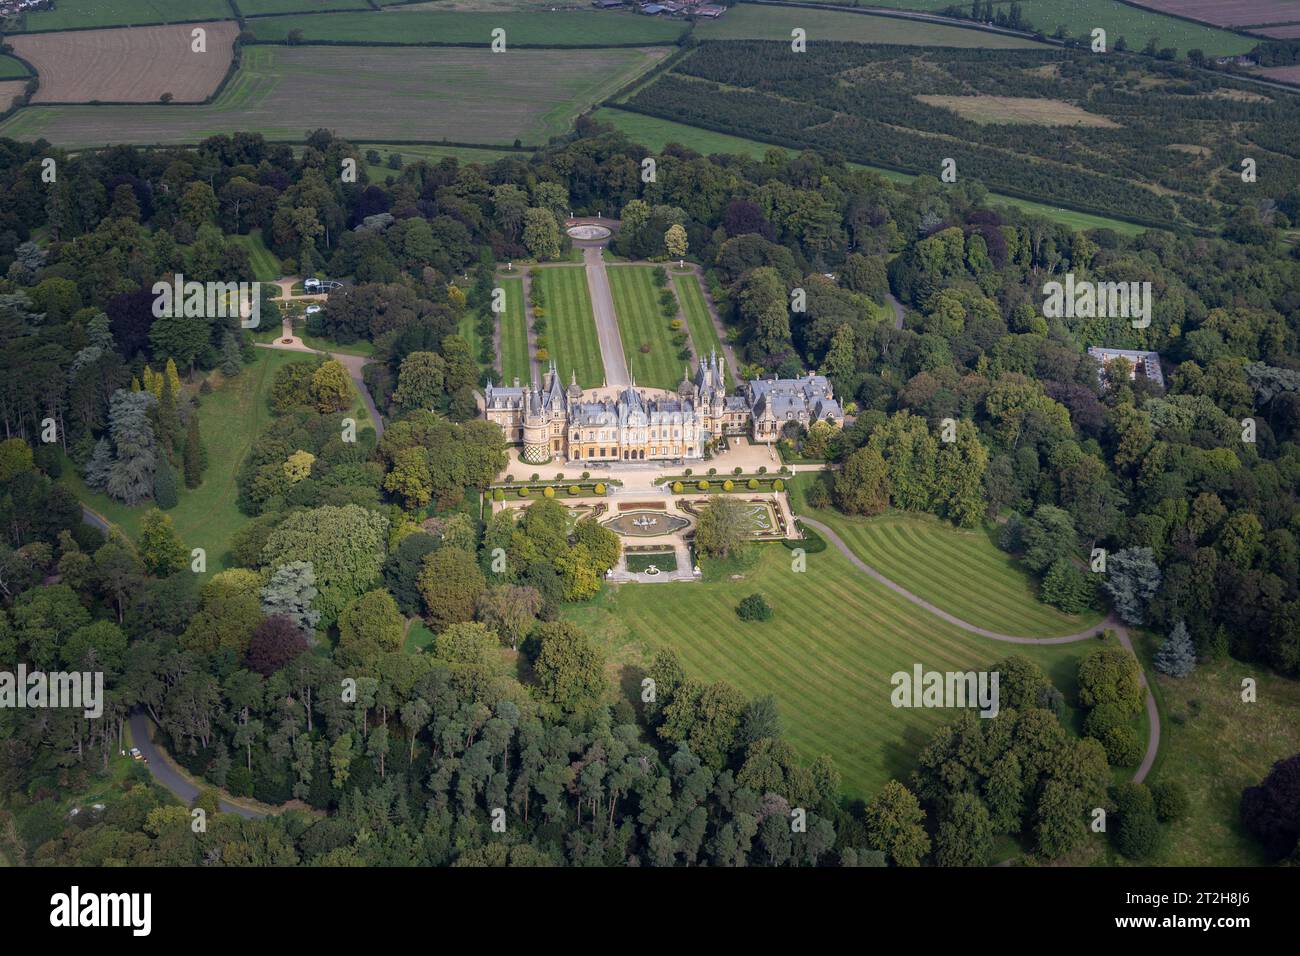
(647, 424)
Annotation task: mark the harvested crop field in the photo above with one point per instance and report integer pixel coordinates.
(128, 65)
(1289, 32)
(9, 89)
(1019, 109)
(1235, 14)
(370, 93)
(1282, 74)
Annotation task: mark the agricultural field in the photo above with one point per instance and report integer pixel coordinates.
(652, 358)
(366, 93)
(1289, 32)
(266, 267)
(515, 360)
(83, 14)
(1136, 26)
(920, 553)
(864, 102)
(1237, 13)
(229, 420)
(12, 69)
(136, 65)
(826, 656)
(10, 90)
(775, 23)
(578, 28)
(258, 8)
(570, 323)
(655, 133)
(704, 335)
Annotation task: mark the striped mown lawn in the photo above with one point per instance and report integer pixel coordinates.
(641, 324)
(827, 655)
(704, 336)
(570, 325)
(961, 571)
(266, 267)
(514, 333)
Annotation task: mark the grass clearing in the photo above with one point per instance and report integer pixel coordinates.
(81, 14)
(230, 418)
(571, 324)
(827, 654)
(652, 358)
(921, 553)
(655, 133)
(1029, 110)
(578, 28)
(364, 93)
(515, 360)
(704, 334)
(266, 265)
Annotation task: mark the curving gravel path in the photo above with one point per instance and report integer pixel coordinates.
(1112, 623)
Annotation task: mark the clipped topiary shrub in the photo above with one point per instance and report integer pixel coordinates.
(600, 488)
(754, 608)
(523, 492)
(678, 488)
(702, 485)
(574, 491)
(549, 492)
(728, 485)
(752, 484)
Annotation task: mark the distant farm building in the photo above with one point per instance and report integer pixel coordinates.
(1146, 364)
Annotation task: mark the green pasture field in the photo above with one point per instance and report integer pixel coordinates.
(571, 324)
(704, 336)
(586, 28)
(654, 133)
(641, 323)
(257, 8)
(12, 69)
(416, 152)
(80, 14)
(515, 360)
(230, 418)
(827, 654)
(365, 94)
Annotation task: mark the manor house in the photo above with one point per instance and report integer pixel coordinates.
(646, 424)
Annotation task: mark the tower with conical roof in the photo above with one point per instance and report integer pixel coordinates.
(536, 448)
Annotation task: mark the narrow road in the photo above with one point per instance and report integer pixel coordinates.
(898, 309)
(165, 773)
(602, 306)
(1111, 622)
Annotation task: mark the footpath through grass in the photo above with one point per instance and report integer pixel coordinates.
(570, 323)
(962, 572)
(514, 333)
(230, 418)
(827, 655)
(652, 358)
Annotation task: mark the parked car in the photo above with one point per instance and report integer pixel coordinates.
(134, 754)
(312, 309)
(311, 286)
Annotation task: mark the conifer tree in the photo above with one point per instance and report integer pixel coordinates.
(1176, 656)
